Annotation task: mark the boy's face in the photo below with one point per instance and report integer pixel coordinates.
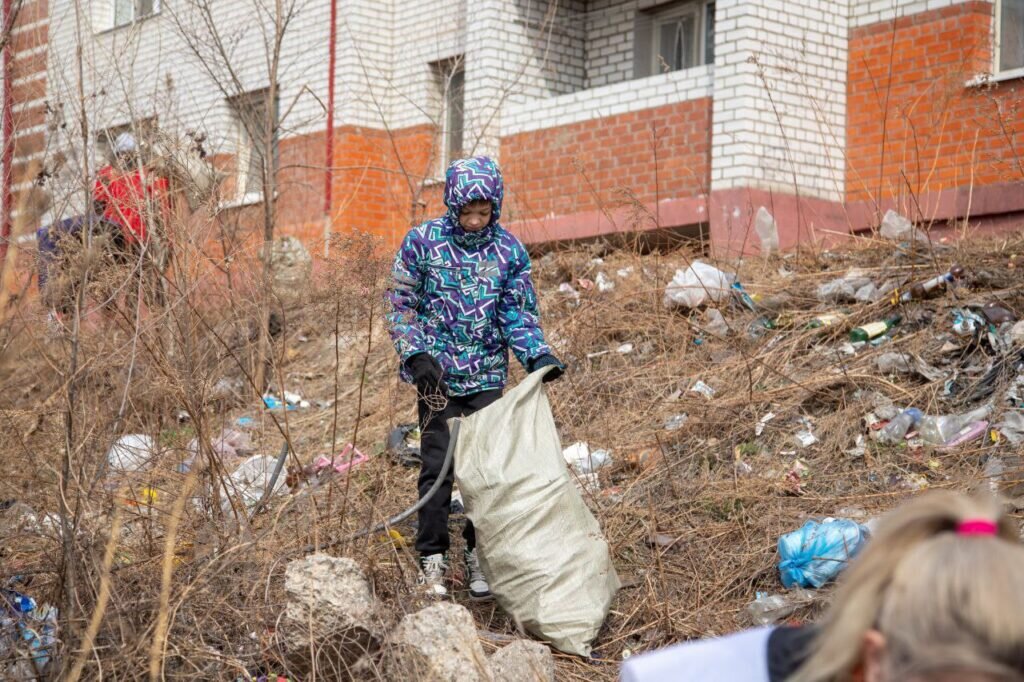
(476, 215)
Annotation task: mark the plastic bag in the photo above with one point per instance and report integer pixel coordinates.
(250, 480)
(767, 231)
(698, 284)
(131, 453)
(817, 552)
(542, 550)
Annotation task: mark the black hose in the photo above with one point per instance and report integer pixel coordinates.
(398, 518)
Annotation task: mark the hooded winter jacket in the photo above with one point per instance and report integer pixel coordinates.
(465, 297)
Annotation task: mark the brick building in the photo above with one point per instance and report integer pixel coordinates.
(606, 115)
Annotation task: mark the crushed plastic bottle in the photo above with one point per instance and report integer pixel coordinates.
(768, 609)
(941, 429)
(896, 430)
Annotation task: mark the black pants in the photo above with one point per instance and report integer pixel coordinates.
(432, 534)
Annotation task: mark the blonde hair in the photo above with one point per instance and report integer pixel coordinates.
(944, 601)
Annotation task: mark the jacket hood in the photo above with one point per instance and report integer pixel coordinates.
(469, 180)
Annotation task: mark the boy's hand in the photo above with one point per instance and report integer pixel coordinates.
(548, 361)
(428, 374)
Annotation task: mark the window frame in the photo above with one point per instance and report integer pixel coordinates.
(445, 73)
(651, 17)
(135, 16)
(1001, 74)
(245, 146)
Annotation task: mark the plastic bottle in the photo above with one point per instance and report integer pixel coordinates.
(826, 320)
(744, 297)
(924, 289)
(896, 430)
(872, 330)
(938, 430)
(996, 313)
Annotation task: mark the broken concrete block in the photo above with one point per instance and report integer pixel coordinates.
(331, 619)
(523, 661)
(439, 644)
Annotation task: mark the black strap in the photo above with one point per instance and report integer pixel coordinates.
(788, 648)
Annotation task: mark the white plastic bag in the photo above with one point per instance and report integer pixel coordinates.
(540, 547)
(250, 480)
(767, 231)
(698, 284)
(131, 453)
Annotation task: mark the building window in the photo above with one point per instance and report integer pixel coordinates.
(450, 78)
(1009, 35)
(674, 36)
(128, 11)
(250, 113)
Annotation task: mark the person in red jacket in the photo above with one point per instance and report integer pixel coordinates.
(128, 196)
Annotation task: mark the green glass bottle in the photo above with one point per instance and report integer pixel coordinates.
(873, 330)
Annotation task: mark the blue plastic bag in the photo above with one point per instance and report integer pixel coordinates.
(817, 552)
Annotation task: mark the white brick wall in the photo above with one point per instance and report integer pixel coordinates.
(780, 96)
(609, 27)
(864, 12)
(608, 100)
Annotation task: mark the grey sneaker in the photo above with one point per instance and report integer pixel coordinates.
(479, 590)
(432, 574)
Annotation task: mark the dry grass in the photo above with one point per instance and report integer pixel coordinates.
(200, 591)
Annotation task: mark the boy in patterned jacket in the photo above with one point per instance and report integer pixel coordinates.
(460, 298)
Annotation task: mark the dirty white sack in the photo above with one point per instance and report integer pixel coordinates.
(542, 550)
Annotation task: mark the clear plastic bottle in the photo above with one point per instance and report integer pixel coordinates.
(938, 430)
(896, 430)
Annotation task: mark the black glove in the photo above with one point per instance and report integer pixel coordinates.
(427, 374)
(548, 361)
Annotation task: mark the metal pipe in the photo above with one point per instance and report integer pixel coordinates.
(6, 203)
(329, 142)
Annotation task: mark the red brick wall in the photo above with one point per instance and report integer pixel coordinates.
(588, 165)
(920, 130)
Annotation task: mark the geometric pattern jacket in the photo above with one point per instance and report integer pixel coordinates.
(465, 297)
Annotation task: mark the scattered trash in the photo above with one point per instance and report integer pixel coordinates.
(873, 330)
(759, 429)
(714, 323)
(131, 453)
(661, 540)
(767, 231)
(743, 296)
(272, 402)
(968, 433)
(904, 363)
(860, 447)
(968, 323)
(1012, 426)
(930, 287)
(295, 399)
(677, 422)
(826, 320)
(843, 289)
(349, 457)
(581, 460)
(697, 284)
(568, 290)
(896, 430)
(703, 389)
(805, 437)
(769, 609)
(798, 473)
(939, 430)
(227, 388)
(900, 229)
(227, 444)
(250, 480)
(604, 284)
(817, 552)
(623, 273)
(29, 627)
(997, 314)
(245, 422)
(993, 473)
(403, 444)
(624, 349)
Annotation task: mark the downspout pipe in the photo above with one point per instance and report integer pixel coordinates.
(6, 196)
(329, 142)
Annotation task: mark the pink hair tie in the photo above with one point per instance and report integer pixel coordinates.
(977, 527)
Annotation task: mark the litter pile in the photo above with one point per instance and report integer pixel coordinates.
(736, 428)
